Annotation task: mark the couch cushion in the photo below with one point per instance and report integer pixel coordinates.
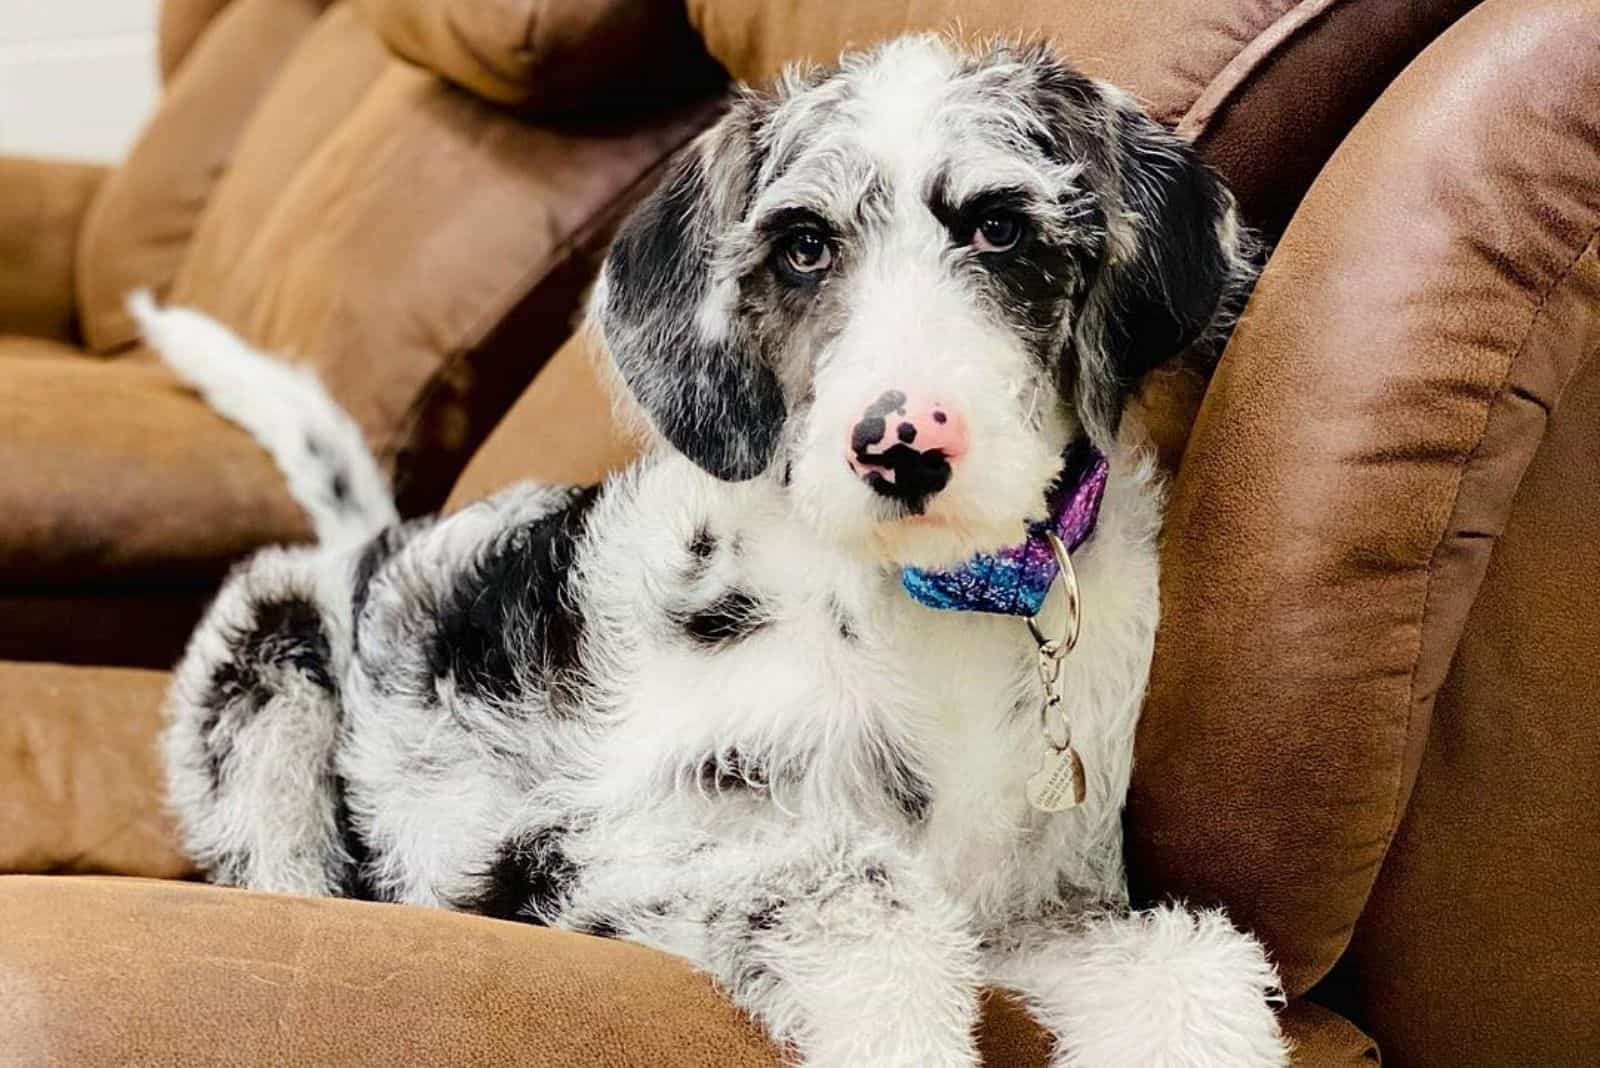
(181, 25)
(140, 224)
(80, 785)
(423, 249)
(1353, 464)
(119, 971)
(550, 55)
(118, 475)
(1266, 87)
(560, 431)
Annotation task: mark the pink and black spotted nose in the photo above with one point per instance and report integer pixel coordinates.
(904, 445)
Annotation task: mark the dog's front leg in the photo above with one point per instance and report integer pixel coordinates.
(851, 956)
(1164, 988)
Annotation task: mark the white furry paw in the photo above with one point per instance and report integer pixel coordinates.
(1167, 988)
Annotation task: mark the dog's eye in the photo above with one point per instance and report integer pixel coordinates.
(807, 252)
(997, 232)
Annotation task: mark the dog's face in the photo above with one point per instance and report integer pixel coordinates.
(902, 287)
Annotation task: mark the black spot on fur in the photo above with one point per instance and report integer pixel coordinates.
(906, 433)
(704, 545)
(354, 880)
(732, 617)
(511, 616)
(767, 917)
(377, 552)
(732, 770)
(600, 927)
(904, 785)
(529, 880)
(338, 477)
(842, 620)
(285, 634)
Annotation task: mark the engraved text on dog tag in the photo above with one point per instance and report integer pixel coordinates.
(1059, 783)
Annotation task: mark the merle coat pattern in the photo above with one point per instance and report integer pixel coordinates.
(692, 707)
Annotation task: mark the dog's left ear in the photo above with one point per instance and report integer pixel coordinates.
(1176, 267)
(667, 322)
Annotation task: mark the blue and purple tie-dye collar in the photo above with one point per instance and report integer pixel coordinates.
(1015, 580)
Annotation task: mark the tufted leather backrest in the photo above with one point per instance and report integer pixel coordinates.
(422, 247)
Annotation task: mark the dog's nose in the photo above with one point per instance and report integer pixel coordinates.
(903, 446)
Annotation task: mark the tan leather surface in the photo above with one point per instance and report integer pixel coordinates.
(560, 432)
(423, 249)
(80, 785)
(179, 27)
(139, 228)
(116, 474)
(1267, 87)
(551, 55)
(134, 972)
(1489, 889)
(42, 208)
(1350, 469)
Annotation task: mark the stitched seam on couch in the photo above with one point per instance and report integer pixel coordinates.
(1590, 249)
(1227, 82)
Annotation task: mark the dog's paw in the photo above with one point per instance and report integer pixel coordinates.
(1168, 988)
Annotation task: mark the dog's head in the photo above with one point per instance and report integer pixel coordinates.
(901, 287)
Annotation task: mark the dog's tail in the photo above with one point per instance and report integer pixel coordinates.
(314, 442)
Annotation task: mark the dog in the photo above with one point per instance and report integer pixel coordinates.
(878, 326)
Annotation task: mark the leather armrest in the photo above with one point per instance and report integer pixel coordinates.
(117, 474)
(42, 205)
(1352, 467)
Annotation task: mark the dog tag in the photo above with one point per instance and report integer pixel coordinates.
(1059, 783)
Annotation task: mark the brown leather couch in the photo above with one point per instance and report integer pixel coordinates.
(1371, 726)
(423, 242)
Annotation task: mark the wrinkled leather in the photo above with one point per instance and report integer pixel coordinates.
(551, 55)
(42, 208)
(422, 249)
(1266, 87)
(80, 785)
(138, 230)
(132, 972)
(119, 473)
(1352, 468)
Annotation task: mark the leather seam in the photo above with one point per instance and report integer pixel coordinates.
(1591, 245)
(1221, 89)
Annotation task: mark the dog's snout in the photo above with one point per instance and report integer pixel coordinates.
(903, 446)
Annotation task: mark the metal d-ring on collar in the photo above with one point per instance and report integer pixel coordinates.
(1053, 650)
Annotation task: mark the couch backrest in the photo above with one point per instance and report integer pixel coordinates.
(423, 248)
(1408, 406)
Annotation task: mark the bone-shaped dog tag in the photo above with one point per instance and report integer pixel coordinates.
(1059, 783)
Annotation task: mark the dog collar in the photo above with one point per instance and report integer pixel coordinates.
(1014, 581)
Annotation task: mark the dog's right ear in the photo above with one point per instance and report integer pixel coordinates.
(669, 324)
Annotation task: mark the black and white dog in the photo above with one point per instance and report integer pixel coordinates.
(863, 320)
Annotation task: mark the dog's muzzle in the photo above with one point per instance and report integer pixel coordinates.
(904, 447)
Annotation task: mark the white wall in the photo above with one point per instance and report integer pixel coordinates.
(77, 77)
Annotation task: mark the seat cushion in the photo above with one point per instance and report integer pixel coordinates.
(117, 475)
(80, 784)
(134, 972)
